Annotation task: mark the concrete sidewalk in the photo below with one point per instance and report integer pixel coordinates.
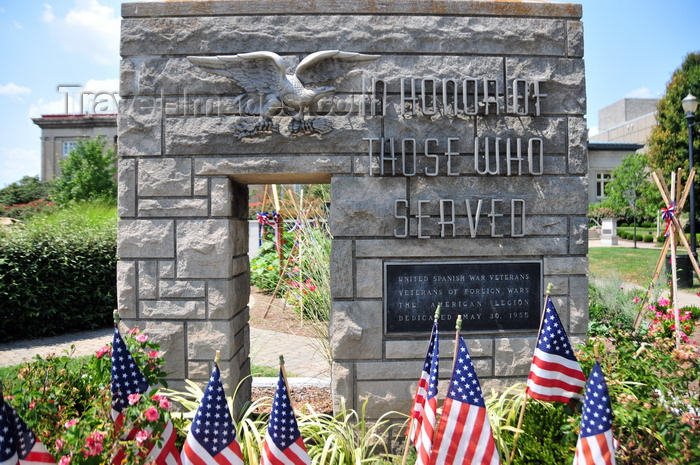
(303, 358)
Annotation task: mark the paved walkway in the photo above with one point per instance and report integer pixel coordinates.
(303, 358)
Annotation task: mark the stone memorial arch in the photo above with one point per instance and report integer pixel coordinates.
(452, 134)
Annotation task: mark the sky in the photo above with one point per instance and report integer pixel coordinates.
(632, 48)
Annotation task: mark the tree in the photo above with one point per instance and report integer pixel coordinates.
(87, 173)
(631, 188)
(668, 142)
(26, 190)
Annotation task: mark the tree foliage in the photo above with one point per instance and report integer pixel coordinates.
(631, 189)
(27, 189)
(87, 173)
(668, 142)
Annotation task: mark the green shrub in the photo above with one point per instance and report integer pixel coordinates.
(26, 190)
(624, 225)
(648, 238)
(58, 272)
(86, 174)
(24, 211)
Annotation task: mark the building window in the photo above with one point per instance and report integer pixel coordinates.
(68, 146)
(602, 179)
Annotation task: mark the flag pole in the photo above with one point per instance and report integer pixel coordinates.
(286, 383)
(410, 432)
(458, 329)
(548, 292)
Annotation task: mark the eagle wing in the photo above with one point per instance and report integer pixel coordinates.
(330, 64)
(255, 72)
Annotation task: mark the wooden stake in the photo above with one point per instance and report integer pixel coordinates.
(548, 292)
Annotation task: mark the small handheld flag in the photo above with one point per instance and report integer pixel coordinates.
(18, 444)
(595, 443)
(555, 374)
(127, 379)
(464, 432)
(283, 442)
(212, 436)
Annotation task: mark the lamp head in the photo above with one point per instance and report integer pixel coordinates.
(690, 104)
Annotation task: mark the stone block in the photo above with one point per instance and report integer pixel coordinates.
(153, 208)
(165, 177)
(356, 330)
(579, 235)
(560, 285)
(126, 288)
(416, 349)
(221, 197)
(181, 289)
(342, 385)
(148, 279)
(240, 265)
(513, 356)
(200, 187)
(341, 267)
(565, 265)
(204, 249)
(574, 35)
(366, 206)
(146, 239)
(227, 297)
(563, 80)
(166, 269)
(171, 338)
(204, 338)
(209, 135)
(369, 279)
(466, 35)
(140, 125)
(126, 179)
(172, 310)
(239, 237)
(456, 248)
(578, 146)
(578, 303)
(387, 396)
(127, 78)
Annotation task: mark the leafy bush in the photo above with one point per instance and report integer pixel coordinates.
(67, 402)
(26, 190)
(24, 211)
(648, 238)
(58, 272)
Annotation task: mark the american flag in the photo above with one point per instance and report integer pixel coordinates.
(212, 436)
(283, 442)
(595, 442)
(424, 410)
(464, 432)
(127, 379)
(18, 445)
(555, 375)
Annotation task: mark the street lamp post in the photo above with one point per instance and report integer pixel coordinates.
(690, 105)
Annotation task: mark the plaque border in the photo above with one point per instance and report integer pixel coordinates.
(501, 332)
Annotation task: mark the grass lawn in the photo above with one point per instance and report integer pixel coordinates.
(629, 265)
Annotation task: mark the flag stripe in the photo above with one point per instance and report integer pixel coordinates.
(193, 453)
(38, 455)
(274, 456)
(553, 363)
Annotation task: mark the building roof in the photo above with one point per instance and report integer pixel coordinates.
(605, 145)
(76, 120)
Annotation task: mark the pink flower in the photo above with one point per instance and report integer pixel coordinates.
(71, 423)
(60, 443)
(65, 460)
(652, 308)
(141, 338)
(104, 350)
(636, 300)
(153, 354)
(32, 405)
(94, 443)
(151, 414)
(664, 302)
(134, 398)
(142, 436)
(133, 331)
(164, 403)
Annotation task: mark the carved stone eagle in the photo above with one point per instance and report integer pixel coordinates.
(268, 89)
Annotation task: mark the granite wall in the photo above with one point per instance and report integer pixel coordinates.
(483, 104)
